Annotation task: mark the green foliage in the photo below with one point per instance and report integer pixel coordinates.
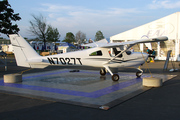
(69, 37)
(6, 16)
(99, 36)
(42, 30)
(93, 54)
(52, 34)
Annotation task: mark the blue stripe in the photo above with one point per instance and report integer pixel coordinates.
(94, 94)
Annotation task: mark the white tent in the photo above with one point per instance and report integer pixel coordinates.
(167, 26)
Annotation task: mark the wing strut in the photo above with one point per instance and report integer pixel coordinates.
(117, 55)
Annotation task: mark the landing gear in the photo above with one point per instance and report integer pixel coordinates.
(115, 77)
(139, 73)
(103, 71)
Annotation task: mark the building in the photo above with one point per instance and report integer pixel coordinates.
(4, 41)
(64, 47)
(5, 45)
(167, 26)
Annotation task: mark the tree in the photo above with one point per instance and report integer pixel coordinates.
(69, 37)
(80, 37)
(7, 16)
(99, 36)
(42, 30)
(39, 27)
(52, 34)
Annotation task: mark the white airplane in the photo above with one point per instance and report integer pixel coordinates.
(98, 56)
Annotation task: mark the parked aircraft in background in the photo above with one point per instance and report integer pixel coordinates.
(98, 56)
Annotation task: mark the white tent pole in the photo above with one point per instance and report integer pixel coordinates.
(158, 50)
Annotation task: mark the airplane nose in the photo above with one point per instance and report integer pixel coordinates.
(145, 56)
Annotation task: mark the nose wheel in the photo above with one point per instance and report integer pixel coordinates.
(139, 73)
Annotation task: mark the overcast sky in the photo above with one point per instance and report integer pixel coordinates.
(109, 16)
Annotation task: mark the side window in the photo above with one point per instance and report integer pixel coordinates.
(97, 53)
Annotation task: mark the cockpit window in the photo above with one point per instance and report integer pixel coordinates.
(117, 52)
(96, 53)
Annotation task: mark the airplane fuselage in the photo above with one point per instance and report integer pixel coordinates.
(95, 57)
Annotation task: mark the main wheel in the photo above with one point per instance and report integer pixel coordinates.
(115, 77)
(103, 72)
(138, 74)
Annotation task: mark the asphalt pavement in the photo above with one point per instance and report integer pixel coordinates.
(154, 104)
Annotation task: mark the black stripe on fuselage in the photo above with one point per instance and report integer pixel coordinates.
(115, 60)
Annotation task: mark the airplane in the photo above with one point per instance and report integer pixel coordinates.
(98, 56)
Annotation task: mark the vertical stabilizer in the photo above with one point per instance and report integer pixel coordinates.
(22, 50)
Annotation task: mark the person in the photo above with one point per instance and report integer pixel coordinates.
(132, 50)
(153, 55)
(149, 54)
(147, 50)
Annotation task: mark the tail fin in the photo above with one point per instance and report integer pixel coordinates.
(22, 50)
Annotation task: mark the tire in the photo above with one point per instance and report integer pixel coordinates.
(138, 74)
(103, 72)
(115, 77)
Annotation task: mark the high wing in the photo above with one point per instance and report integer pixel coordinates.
(131, 43)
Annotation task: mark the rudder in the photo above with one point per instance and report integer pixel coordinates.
(22, 50)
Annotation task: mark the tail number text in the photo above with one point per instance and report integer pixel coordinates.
(65, 61)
